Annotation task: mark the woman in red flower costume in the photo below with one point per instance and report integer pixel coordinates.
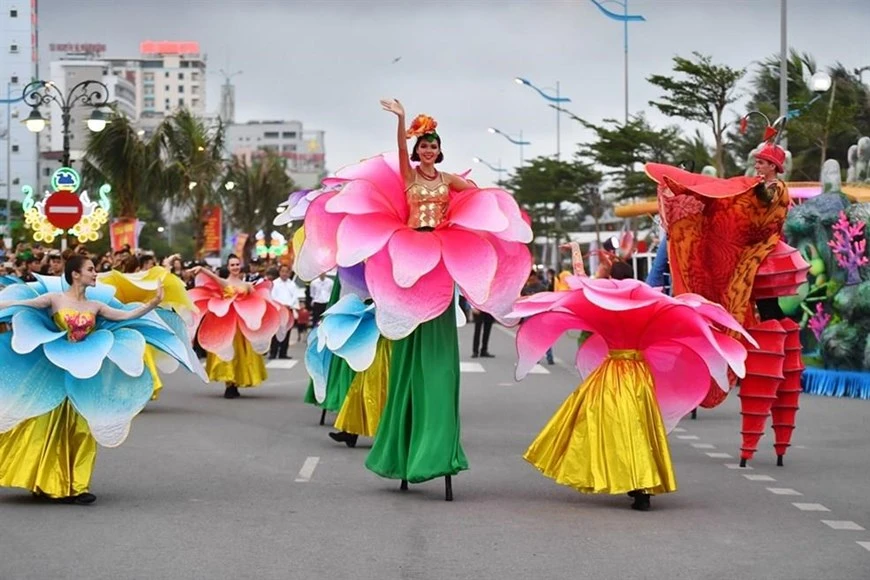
(237, 321)
(725, 243)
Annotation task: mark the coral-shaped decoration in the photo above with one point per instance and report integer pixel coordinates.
(849, 247)
(819, 321)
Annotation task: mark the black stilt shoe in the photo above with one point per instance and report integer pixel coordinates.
(779, 460)
(404, 485)
(231, 392)
(641, 502)
(694, 413)
(742, 462)
(448, 488)
(323, 417)
(348, 439)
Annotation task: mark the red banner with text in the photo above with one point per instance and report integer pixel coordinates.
(212, 238)
(124, 231)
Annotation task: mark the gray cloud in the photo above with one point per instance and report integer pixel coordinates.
(327, 63)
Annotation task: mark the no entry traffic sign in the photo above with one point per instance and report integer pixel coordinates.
(63, 209)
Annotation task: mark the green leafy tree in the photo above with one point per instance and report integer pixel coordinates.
(700, 91)
(195, 166)
(131, 165)
(258, 189)
(623, 148)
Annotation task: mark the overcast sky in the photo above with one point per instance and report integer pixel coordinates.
(327, 62)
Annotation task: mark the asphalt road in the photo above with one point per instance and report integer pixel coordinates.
(206, 488)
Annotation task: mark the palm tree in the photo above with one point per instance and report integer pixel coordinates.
(131, 165)
(194, 166)
(258, 189)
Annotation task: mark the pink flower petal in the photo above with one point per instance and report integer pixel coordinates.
(251, 309)
(477, 210)
(591, 354)
(216, 334)
(199, 293)
(413, 254)
(681, 379)
(261, 337)
(518, 229)
(207, 284)
(537, 334)
(360, 236)
(383, 172)
(318, 251)
(400, 310)
(514, 262)
(471, 260)
(360, 197)
(219, 306)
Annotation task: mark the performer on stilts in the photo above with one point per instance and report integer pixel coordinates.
(74, 375)
(725, 243)
(610, 434)
(419, 232)
(236, 323)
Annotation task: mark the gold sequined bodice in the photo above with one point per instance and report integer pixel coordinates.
(428, 205)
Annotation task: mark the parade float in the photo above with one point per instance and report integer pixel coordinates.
(827, 224)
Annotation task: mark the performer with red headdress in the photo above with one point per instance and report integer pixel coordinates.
(725, 243)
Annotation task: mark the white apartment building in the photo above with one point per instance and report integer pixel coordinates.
(303, 150)
(18, 146)
(167, 76)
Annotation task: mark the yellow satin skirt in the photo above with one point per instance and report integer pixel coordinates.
(364, 404)
(247, 369)
(608, 436)
(151, 366)
(52, 454)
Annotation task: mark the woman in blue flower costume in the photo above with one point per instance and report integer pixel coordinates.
(74, 376)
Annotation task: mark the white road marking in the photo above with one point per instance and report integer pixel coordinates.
(688, 437)
(865, 545)
(758, 477)
(737, 466)
(470, 367)
(719, 455)
(539, 370)
(679, 430)
(843, 525)
(810, 507)
(703, 446)
(307, 470)
(281, 364)
(783, 491)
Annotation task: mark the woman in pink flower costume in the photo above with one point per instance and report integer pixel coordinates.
(237, 321)
(647, 363)
(421, 233)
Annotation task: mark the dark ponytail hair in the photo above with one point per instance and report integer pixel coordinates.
(428, 137)
(75, 263)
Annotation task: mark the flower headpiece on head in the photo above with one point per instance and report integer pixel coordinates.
(422, 125)
(771, 152)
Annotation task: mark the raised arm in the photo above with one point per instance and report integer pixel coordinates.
(43, 301)
(395, 107)
(223, 283)
(115, 314)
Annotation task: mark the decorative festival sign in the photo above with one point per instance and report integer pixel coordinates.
(212, 230)
(64, 211)
(277, 248)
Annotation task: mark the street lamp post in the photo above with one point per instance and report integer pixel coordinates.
(558, 98)
(519, 141)
(625, 18)
(496, 168)
(89, 93)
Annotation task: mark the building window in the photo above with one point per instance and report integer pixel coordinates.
(13, 48)
(289, 134)
(13, 13)
(148, 77)
(166, 88)
(181, 76)
(194, 76)
(180, 102)
(180, 88)
(46, 171)
(166, 74)
(270, 135)
(15, 148)
(15, 181)
(14, 79)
